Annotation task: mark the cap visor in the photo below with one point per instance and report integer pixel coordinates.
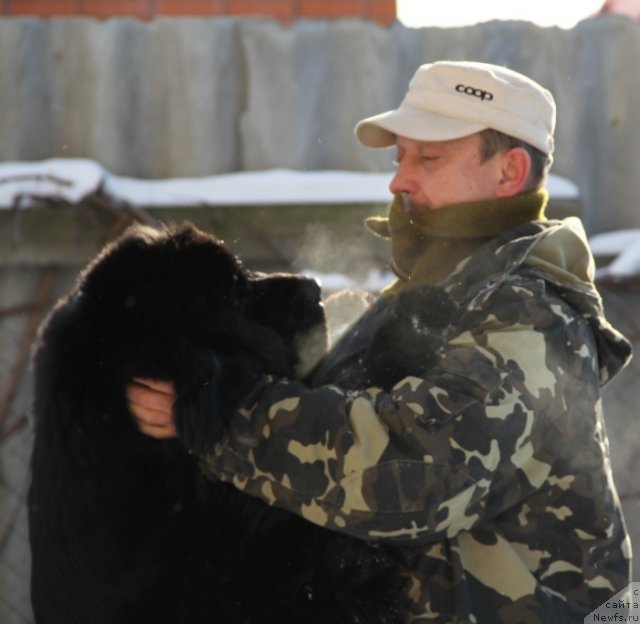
(420, 125)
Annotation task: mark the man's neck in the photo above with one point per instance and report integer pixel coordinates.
(427, 247)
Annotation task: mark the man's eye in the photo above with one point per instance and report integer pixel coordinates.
(424, 157)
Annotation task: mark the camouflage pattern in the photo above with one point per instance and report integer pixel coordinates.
(490, 471)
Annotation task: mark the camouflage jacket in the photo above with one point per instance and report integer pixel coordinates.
(489, 468)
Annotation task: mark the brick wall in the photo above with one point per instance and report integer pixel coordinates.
(381, 11)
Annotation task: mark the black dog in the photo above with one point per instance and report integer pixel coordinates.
(122, 527)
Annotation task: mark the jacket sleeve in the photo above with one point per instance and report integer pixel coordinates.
(437, 454)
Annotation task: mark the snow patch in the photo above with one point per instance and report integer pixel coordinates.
(623, 246)
(73, 179)
(58, 178)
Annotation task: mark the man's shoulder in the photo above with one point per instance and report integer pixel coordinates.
(508, 257)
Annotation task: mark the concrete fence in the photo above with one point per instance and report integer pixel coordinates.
(192, 97)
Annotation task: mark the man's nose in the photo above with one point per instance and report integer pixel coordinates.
(403, 181)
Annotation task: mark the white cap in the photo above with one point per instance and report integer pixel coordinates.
(449, 100)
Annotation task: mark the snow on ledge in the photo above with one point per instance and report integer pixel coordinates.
(621, 245)
(72, 179)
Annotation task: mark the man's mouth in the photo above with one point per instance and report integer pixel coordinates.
(412, 207)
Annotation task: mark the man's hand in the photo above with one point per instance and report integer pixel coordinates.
(151, 404)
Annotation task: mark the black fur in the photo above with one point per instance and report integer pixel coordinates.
(123, 529)
(407, 342)
(396, 337)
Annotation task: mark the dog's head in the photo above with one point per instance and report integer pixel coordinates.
(166, 290)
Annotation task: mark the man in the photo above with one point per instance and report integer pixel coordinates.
(489, 468)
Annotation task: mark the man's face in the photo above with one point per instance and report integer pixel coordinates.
(439, 173)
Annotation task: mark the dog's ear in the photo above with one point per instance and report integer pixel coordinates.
(197, 412)
(209, 393)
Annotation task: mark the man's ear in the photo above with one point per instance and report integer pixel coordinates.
(515, 170)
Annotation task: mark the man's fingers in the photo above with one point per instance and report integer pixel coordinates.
(155, 384)
(148, 416)
(160, 433)
(157, 397)
(153, 423)
(151, 405)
